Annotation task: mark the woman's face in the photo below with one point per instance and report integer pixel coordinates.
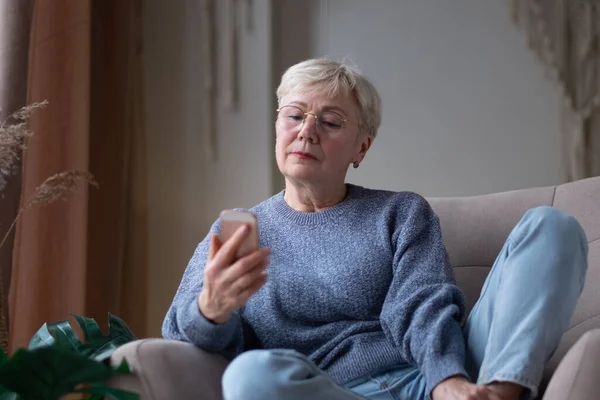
(312, 152)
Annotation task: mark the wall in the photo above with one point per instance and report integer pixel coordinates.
(187, 189)
(467, 110)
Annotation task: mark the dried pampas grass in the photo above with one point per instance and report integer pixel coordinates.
(14, 133)
(58, 186)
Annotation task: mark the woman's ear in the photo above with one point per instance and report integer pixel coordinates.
(365, 145)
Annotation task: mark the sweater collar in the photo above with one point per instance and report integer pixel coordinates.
(317, 217)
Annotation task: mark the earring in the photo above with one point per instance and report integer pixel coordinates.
(356, 164)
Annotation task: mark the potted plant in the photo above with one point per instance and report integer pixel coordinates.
(57, 362)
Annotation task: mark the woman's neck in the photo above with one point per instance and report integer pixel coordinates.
(312, 199)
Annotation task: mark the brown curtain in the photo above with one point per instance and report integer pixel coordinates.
(117, 252)
(565, 36)
(86, 255)
(15, 23)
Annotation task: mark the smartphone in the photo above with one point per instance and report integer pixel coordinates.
(231, 221)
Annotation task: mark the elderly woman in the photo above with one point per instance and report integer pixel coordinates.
(351, 295)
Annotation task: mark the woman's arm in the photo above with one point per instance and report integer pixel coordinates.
(185, 322)
(423, 308)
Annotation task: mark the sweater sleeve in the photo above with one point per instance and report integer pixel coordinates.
(185, 322)
(422, 310)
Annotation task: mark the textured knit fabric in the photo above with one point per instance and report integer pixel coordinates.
(358, 288)
(513, 330)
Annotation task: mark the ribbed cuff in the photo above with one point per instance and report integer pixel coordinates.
(205, 334)
(440, 369)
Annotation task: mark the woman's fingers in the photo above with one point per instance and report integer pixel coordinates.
(246, 293)
(229, 283)
(248, 279)
(245, 265)
(227, 252)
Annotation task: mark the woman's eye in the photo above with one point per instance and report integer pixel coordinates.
(332, 124)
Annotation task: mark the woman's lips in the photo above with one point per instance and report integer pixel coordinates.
(303, 155)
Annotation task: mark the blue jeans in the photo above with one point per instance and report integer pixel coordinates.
(525, 307)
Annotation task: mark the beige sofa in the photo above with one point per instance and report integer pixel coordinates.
(474, 230)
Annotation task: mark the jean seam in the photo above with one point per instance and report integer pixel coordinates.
(379, 382)
(376, 382)
(318, 373)
(515, 378)
(507, 245)
(389, 393)
(486, 286)
(300, 357)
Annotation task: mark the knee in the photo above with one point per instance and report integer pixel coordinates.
(561, 234)
(263, 374)
(558, 225)
(248, 376)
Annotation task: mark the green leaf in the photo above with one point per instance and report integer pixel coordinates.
(119, 329)
(113, 393)
(104, 352)
(42, 338)
(8, 396)
(122, 368)
(99, 346)
(91, 331)
(50, 372)
(64, 334)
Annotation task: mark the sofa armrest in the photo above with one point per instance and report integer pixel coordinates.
(168, 369)
(576, 377)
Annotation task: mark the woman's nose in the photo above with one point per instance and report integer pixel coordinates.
(308, 130)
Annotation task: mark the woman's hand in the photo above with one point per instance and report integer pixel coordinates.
(229, 283)
(459, 388)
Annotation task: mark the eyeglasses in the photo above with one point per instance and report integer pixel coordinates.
(327, 122)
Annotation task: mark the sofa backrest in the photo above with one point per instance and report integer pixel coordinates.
(475, 229)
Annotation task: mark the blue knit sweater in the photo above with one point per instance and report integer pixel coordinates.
(358, 288)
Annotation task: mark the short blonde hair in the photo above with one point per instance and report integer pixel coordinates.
(333, 78)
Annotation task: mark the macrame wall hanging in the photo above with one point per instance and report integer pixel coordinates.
(565, 36)
(228, 92)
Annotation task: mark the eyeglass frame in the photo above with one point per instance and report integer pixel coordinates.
(344, 120)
